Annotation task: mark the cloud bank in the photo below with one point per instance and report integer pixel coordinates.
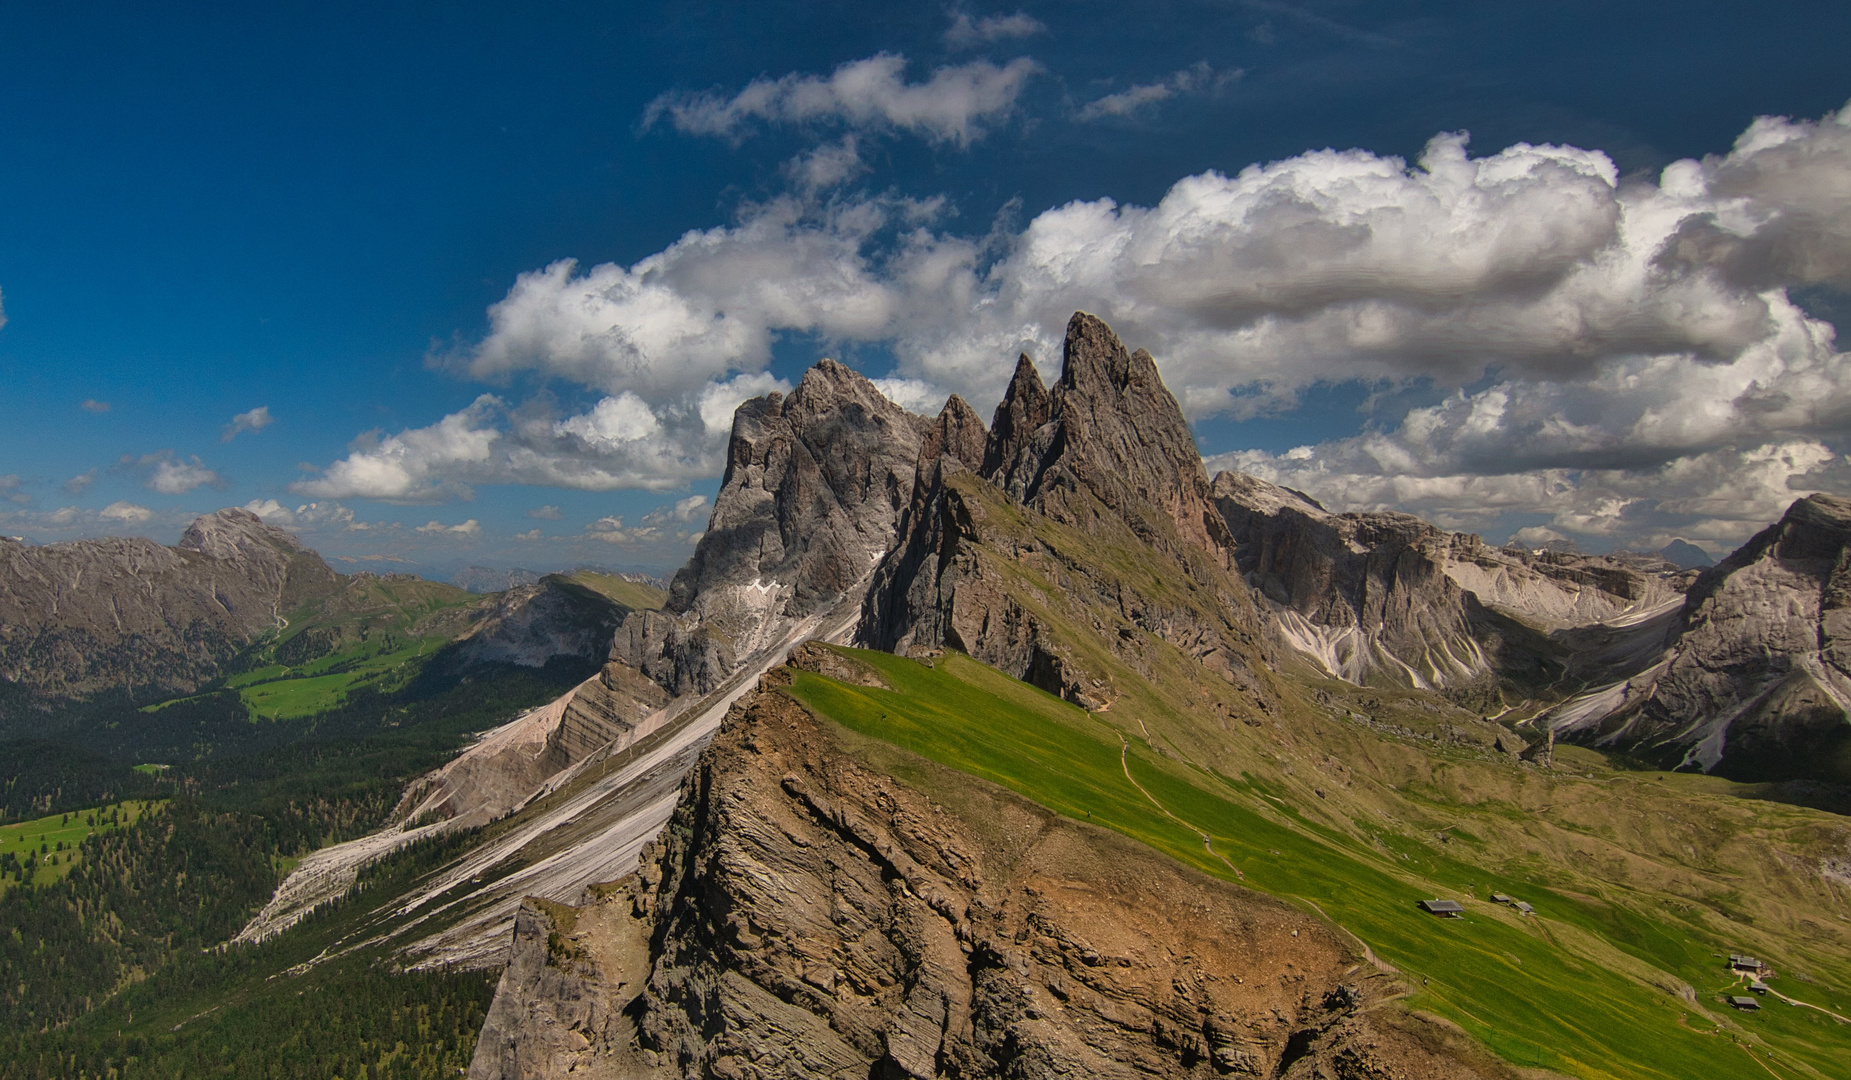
(1623, 356)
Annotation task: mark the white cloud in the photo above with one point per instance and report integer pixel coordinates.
(683, 511)
(826, 166)
(546, 513)
(1629, 346)
(308, 516)
(80, 483)
(913, 395)
(126, 512)
(952, 106)
(9, 490)
(255, 420)
(166, 473)
(1197, 79)
(611, 530)
(92, 404)
(471, 528)
(966, 31)
(530, 534)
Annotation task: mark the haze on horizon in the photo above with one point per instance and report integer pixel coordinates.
(485, 286)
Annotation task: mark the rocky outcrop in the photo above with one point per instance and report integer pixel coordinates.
(1757, 680)
(1112, 430)
(1386, 596)
(530, 625)
(815, 485)
(1094, 486)
(809, 916)
(87, 617)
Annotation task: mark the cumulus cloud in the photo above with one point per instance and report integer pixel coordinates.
(546, 513)
(611, 530)
(255, 420)
(953, 105)
(308, 516)
(9, 490)
(966, 31)
(126, 512)
(471, 528)
(169, 474)
(530, 534)
(93, 405)
(1614, 348)
(682, 511)
(1197, 79)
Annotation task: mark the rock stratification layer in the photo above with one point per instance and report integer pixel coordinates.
(87, 617)
(815, 484)
(1757, 681)
(1388, 597)
(807, 915)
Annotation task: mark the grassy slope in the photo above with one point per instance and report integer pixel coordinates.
(631, 594)
(25, 837)
(1587, 988)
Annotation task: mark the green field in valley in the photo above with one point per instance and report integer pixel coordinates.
(1588, 987)
(43, 850)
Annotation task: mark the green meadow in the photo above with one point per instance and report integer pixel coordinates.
(1587, 987)
(52, 845)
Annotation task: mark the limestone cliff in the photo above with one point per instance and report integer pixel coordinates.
(1386, 596)
(808, 915)
(88, 617)
(1093, 486)
(1757, 680)
(814, 487)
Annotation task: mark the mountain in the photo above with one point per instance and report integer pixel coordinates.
(1386, 597)
(486, 579)
(98, 626)
(1030, 751)
(128, 615)
(1686, 556)
(813, 487)
(1755, 681)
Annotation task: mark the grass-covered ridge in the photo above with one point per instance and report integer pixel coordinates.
(1591, 987)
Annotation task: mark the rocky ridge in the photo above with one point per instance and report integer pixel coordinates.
(1387, 596)
(89, 617)
(1756, 679)
(806, 915)
(1082, 481)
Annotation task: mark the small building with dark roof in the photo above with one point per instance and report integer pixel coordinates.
(1744, 963)
(1445, 909)
(1500, 898)
(1757, 986)
(1746, 1004)
(1525, 908)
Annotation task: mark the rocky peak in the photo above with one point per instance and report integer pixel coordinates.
(814, 489)
(1024, 408)
(234, 531)
(1756, 683)
(1113, 430)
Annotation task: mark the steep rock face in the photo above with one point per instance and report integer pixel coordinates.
(1094, 487)
(90, 616)
(529, 625)
(1387, 596)
(810, 916)
(1112, 430)
(814, 487)
(1757, 682)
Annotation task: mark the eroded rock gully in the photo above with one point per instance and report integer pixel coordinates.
(806, 914)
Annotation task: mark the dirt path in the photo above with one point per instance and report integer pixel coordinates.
(1124, 762)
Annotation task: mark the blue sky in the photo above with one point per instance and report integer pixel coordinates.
(311, 210)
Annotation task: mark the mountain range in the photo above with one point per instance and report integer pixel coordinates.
(1032, 750)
